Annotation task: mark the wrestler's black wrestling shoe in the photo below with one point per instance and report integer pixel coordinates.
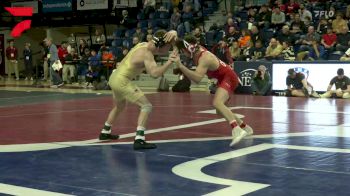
(142, 144)
(108, 136)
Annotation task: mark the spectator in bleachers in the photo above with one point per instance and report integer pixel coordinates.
(62, 51)
(149, 6)
(339, 23)
(95, 65)
(342, 86)
(82, 65)
(329, 40)
(285, 35)
(197, 32)
(126, 22)
(287, 51)
(258, 51)
(298, 26)
(175, 19)
(232, 35)
(69, 66)
(264, 17)
(28, 61)
(222, 51)
(235, 50)
(252, 16)
(308, 22)
(316, 53)
(99, 39)
(135, 41)
(257, 35)
(273, 51)
(261, 82)
(186, 21)
(125, 51)
(323, 25)
(279, 4)
(139, 34)
(278, 19)
(244, 39)
(149, 37)
(247, 52)
(307, 40)
(82, 47)
(108, 63)
(343, 39)
(291, 7)
(229, 23)
(304, 13)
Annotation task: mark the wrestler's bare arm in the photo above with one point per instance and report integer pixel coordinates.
(151, 65)
(197, 75)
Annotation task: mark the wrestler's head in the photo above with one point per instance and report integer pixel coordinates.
(188, 46)
(161, 47)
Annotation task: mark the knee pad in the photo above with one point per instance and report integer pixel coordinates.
(146, 108)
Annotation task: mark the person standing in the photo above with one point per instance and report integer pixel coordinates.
(28, 61)
(12, 57)
(52, 57)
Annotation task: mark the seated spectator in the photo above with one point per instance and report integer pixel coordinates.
(298, 86)
(228, 24)
(199, 36)
(322, 26)
(83, 64)
(278, 19)
(316, 53)
(149, 37)
(120, 57)
(244, 39)
(291, 7)
(285, 35)
(235, 50)
(108, 63)
(298, 26)
(95, 65)
(135, 41)
(307, 40)
(149, 6)
(247, 54)
(126, 22)
(342, 86)
(175, 19)
(304, 13)
(99, 40)
(329, 40)
(139, 34)
(82, 47)
(343, 39)
(69, 66)
(346, 56)
(258, 51)
(287, 51)
(232, 35)
(63, 51)
(256, 35)
(186, 21)
(261, 82)
(339, 23)
(274, 50)
(222, 51)
(264, 17)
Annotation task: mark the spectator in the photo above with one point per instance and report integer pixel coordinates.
(235, 50)
(307, 40)
(258, 51)
(278, 19)
(316, 53)
(175, 19)
(12, 57)
(149, 6)
(291, 7)
(257, 35)
(54, 62)
(229, 24)
(95, 65)
(83, 64)
(329, 40)
(247, 54)
(126, 22)
(304, 13)
(28, 61)
(139, 34)
(298, 26)
(261, 82)
(100, 39)
(342, 86)
(287, 51)
(82, 47)
(322, 26)
(232, 35)
(274, 50)
(343, 39)
(149, 37)
(108, 63)
(222, 51)
(44, 53)
(63, 51)
(264, 17)
(339, 23)
(135, 41)
(297, 85)
(286, 36)
(199, 36)
(69, 66)
(187, 20)
(244, 39)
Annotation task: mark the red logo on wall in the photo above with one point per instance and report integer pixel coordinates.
(23, 25)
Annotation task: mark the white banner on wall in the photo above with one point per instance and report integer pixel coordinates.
(320, 74)
(92, 4)
(33, 4)
(124, 3)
